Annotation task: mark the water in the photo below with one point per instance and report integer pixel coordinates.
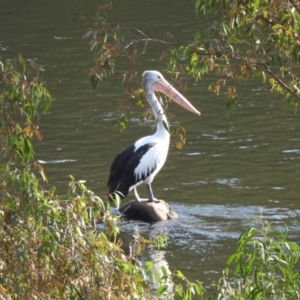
(228, 174)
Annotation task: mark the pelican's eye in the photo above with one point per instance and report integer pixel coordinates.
(158, 77)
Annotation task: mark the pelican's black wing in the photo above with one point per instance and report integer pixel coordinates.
(122, 176)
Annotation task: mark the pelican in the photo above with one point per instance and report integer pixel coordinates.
(141, 161)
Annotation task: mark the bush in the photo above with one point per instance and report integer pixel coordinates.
(49, 245)
(263, 267)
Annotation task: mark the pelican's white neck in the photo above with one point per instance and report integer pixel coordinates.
(158, 112)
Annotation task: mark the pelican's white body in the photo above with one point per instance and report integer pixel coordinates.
(154, 158)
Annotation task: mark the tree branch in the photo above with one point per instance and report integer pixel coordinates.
(261, 65)
(267, 20)
(149, 40)
(146, 39)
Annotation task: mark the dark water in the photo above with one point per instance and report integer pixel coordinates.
(227, 174)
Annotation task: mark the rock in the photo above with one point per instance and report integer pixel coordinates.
(147, 211)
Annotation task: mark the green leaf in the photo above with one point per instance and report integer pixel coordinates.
(179, 275)
(22, 62)
(161, 289)
(179, 291)
(164, 271)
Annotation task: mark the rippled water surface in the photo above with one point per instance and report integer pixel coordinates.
(227, 175)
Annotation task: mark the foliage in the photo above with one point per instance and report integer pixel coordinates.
(191, 290)
(252, 38)
(262, 267)
(235, 40)
(20, 92)
(49, 245)
(50, 249)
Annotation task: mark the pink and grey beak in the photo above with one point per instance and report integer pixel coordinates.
(165, 87)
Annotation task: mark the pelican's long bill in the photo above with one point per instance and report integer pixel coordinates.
(162, 85)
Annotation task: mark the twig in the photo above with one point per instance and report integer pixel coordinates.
(261, 65)
(267, 20)
(281, 83)
(149, 40)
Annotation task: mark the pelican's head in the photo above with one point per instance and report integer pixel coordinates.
(154, 81)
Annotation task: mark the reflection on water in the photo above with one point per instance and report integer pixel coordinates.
(226, 173)
(205, 235)
(57, 161)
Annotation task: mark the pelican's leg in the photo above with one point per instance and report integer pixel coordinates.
(150, 194)
(137, 197)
